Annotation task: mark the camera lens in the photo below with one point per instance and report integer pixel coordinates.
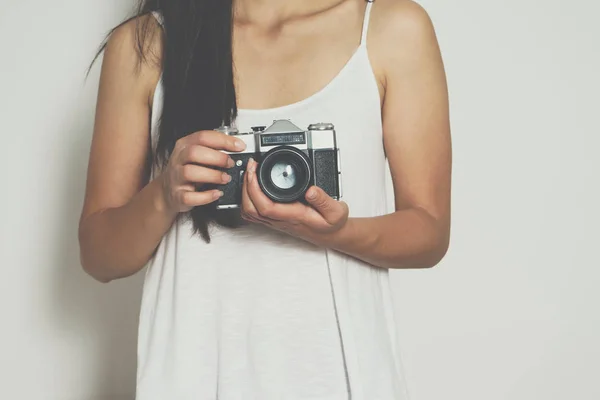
(284, 174)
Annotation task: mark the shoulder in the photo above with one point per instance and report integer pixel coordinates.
(399, 19)
(134, 49)
(138, 37)
(400, 32)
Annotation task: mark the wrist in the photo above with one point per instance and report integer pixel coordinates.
(343, 237)
(160, 202)
(354, 237)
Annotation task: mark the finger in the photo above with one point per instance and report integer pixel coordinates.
(194, 199)
(265, 207)
(206, 156)
(197, 174)
(261, 203)
(255, 220)
(331, 210)
(249, 212)
(248, 208)
(215, 140)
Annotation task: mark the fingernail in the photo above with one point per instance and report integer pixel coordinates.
(230, 163)
(226, 178)
(312, 193)
(217, 194)
(239, 144)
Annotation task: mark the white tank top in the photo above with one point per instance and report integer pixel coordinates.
(258, 315)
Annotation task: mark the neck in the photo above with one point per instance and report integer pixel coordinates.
(278, 11)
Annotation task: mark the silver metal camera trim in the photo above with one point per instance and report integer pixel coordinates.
(282, 126)
(339, 166)
(328, 142)
(227, 206)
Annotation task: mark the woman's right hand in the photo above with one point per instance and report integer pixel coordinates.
(189, 166)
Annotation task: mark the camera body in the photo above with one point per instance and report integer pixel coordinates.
(290, 160)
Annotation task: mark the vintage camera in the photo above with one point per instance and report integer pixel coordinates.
(290, 160)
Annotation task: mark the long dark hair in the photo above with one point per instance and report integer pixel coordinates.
(197, 76)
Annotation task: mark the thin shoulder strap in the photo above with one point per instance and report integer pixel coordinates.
(158, 17)
(365, 27)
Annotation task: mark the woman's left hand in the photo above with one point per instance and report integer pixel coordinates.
(317, 224)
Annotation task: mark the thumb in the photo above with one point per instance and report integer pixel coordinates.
(331, 210)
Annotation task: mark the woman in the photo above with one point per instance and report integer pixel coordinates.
(294, 301)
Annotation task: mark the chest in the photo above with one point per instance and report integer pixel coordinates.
(292, 62)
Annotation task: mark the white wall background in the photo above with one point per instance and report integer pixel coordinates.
(513, 311)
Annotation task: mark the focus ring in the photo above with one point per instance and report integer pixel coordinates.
(302, 172)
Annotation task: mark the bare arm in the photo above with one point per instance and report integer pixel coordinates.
(417, 143)
(122, 220)
(124, 216)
